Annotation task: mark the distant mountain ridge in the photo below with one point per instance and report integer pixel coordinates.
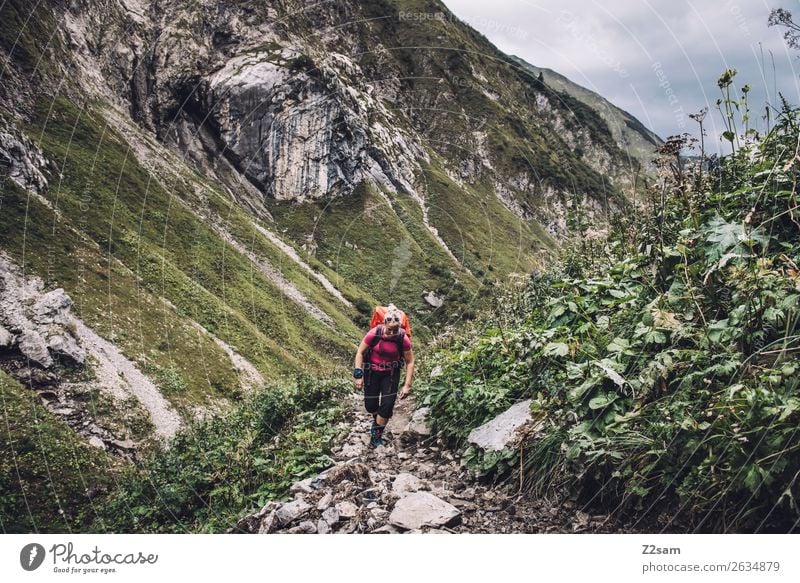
(631, 135)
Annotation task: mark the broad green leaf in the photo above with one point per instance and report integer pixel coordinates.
(602, 400)
(717, 329)
(619, 345)
(556, 349)
(605, 366)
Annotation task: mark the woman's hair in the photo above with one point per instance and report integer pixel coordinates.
(391, 313)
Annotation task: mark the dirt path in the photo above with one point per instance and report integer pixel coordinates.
(412, 484)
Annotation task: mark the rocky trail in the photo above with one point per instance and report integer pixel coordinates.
(413, 484)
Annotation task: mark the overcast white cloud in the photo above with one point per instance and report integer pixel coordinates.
(657, 59)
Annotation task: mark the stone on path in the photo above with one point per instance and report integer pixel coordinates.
(331, 516)
(292, 511)
(305, 527)
(418, 424)
(346, 509)
(405, 483)
(423, 509)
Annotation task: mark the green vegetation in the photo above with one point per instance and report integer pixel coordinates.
(27, 32)
(50, 478)
(380, 246)
(662, 363)
(220, 469)
(481, 231)
(207, 477)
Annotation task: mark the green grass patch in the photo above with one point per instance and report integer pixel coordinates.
(217, 471)
(51, 481)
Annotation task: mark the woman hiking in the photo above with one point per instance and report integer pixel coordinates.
(386, 348)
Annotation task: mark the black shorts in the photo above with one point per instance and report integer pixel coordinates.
(380, 391)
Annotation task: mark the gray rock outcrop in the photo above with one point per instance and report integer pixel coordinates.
(418, 424)
(21, 161)
(500, 432)
(45, 347)
(302, 130)
(37, 324)
(434, 300)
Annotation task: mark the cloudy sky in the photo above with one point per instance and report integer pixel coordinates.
(657, 59)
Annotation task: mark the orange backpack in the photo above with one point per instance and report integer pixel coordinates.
(380, 312)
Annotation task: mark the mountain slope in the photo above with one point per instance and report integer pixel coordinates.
(228, 188)
(629, 133)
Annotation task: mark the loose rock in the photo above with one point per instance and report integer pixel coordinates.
(291, 511)
(423, 509)
(500, 432)
(346, 509)
(406, 483)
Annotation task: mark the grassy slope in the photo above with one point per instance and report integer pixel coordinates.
(366, 242)
(122, 241)
(47, 472)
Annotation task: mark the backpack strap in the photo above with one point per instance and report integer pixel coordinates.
(373, 343)
(378, 337)
(401, 334)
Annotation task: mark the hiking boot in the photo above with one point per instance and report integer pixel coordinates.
(376, 436)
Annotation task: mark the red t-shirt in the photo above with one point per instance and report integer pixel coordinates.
(385, 352)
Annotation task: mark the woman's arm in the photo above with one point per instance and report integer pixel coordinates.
(359, 363)
(409, 357)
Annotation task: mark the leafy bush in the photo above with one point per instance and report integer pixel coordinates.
(664, 362)
(219, 469)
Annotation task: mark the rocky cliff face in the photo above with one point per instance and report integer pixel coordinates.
(629, 133)
(301, 132)
(310, 101)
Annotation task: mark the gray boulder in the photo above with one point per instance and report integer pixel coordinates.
(95, 441)
(32, 345)
(423, 509)
(325, 502)
(302, 487)
(291, 511)
(500, 432)
(387, 529)
(434, 300)
(269, 523)
(67, 346)
(418, 424)
(331, 516)
(346, 509)
(406, 483)
(305, 527)
(52, 308)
